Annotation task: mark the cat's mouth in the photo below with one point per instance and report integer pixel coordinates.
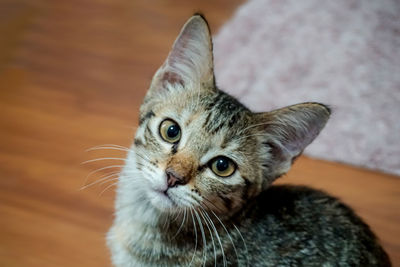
(164, 194)
(162, 199)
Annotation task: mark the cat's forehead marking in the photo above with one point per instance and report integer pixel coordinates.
(146, 116)
(223, 111)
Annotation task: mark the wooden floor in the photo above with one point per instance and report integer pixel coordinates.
(72, 75)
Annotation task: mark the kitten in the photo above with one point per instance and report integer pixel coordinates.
(196, 188)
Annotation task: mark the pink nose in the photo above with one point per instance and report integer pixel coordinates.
(173, 178)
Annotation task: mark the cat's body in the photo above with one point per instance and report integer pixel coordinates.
(284, 226)
(196, 188)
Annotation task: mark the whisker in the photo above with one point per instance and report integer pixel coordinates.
(109, 180)
(212, 239)
(99, 170)
(195, 234)
(222, 224)
(183, 222)
(144, 157)
(177, 215)
(108, 148)
(165, 221)
(100, 180)
(227, 232)
(100, 159)
(207, 200)
(196, 198)
(104, 175)
(244, 243)
(203, 236)
(108, 187)
(106, 145)
(104, 168)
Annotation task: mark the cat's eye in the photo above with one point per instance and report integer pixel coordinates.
(222, 166)
(170, 131)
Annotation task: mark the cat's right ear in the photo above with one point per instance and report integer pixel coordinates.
(286, 132)
(190, 62)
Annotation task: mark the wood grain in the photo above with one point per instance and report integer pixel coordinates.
(72, 76)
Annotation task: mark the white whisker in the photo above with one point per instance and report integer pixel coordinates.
(212, 239)
(108, 180)
(108, 187)
(227, 232)
(144, 157)
(203, 236)
(100, 180)
(195, 234)
(100, 159)
(104, 168)
(244, 243)
(107, 146)
(183, 222)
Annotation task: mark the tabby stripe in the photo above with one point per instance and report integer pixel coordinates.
(206, 121)
(174, 148)
(149, 138)
(147, 116)
(138, 142)
(201, 168)
(217, 128)
(235, 117)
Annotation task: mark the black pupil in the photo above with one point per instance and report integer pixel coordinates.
(222, 164)
(173, 131)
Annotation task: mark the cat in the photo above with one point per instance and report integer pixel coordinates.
(196, 186)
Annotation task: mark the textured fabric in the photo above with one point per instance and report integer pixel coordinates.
(343, 53)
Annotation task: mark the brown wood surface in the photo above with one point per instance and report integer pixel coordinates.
(72, 76)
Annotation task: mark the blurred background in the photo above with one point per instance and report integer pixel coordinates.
(72, 77)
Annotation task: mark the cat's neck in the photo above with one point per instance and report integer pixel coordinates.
(149, 235)
(143, 221)
(178, 229)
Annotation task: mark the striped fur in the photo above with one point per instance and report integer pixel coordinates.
(238, 220)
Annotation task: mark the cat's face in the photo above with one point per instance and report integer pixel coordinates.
(197, 147)
(197, 151)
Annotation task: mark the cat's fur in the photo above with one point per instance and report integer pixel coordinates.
(240, 220)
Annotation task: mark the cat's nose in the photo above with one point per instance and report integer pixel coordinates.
(174, 178)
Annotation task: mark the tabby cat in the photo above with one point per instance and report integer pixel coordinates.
(196, 187)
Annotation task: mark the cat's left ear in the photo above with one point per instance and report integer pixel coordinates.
(190, 62)
(286, 132)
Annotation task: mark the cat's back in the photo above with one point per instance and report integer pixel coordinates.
(300, 226)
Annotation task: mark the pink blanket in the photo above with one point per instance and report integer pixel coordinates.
(344, 53)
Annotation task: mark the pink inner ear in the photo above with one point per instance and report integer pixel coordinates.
(178, 50)
(190, 60)
(299, 141)
(171, 78)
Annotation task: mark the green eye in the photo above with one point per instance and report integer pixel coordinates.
(170, 131)
(222, 166)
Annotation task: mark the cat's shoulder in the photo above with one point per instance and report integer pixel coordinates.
(301, 209)
(294, 195)
(284, 200)
(313, 221)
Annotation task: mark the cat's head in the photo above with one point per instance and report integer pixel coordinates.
(198, 147)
